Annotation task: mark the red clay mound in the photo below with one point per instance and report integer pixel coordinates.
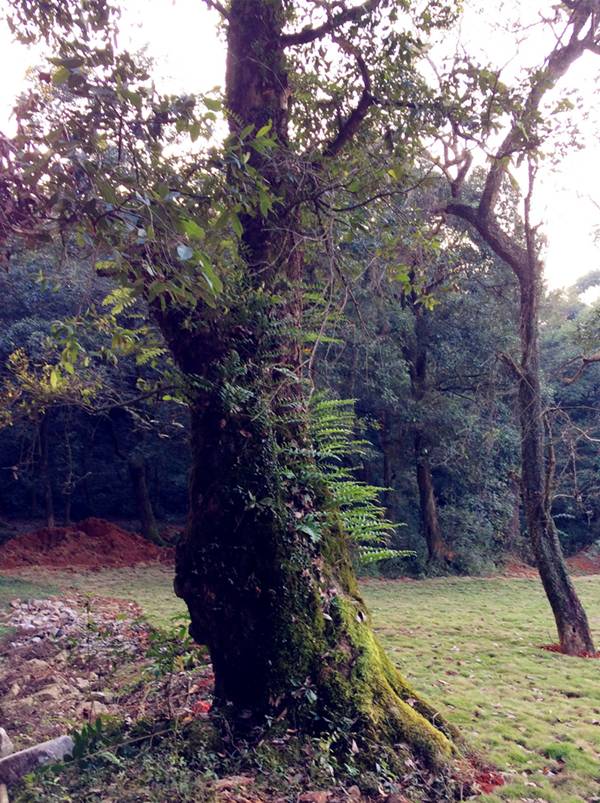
(585, 562)
(89, 544)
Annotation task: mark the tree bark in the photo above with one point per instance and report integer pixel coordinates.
(274, 599)
(571, 620)
(143, 503)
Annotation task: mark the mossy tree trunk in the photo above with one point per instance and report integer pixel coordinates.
(274, 599)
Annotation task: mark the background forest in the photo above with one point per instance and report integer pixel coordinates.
(434, 401)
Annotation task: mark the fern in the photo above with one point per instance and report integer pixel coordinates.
(332, 427)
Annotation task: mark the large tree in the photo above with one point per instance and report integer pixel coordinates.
(217, 240)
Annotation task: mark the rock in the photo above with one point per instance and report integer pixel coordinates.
(14, 690)
(18, 764)
(3, 793)
(82, 684)
(102, 696)
(37, 667)
(314, 797)
(52, 692)
(6, 745)
(61, 657)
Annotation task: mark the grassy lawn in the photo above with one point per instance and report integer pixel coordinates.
(471, 646)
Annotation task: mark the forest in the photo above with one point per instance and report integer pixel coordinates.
(299, 435)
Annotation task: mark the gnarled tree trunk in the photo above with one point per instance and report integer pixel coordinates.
(278, 607)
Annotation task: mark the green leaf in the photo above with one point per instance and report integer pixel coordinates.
(54, 378)
(262, 132)
(60, 75)
(213, 104)
(237, 225)
(192, 229)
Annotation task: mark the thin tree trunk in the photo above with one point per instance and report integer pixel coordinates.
(46, 477)
(416, 355)
(429, 516)
(143, 503)
(571, 620)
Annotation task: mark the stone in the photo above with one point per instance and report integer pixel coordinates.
(314, 797)
(6, 745)
(52, 692)
(37, 667)
(3, 793)
(82, 684)
(18, 764)
(15, 690)
(102, 696)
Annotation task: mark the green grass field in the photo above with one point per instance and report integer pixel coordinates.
(472, 647)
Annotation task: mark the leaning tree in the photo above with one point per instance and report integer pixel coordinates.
(484, 110)
(216, 231)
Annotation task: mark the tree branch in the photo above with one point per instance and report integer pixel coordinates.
(354, 120)
(216, 6)
(307, 35)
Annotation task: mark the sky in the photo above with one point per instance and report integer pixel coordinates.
(181, 36)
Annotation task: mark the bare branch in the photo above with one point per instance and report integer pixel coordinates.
(307, 35)
(216, 6)
(354, 120)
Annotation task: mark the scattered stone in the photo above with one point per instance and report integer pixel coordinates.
(82, 684)
(18, 764)
(314, 797)
(15, 689)
(3, 793)
(6, 745)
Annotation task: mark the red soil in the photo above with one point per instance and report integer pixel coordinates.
(557, 648)
(89, 544)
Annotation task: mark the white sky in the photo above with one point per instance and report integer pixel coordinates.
(181, 36)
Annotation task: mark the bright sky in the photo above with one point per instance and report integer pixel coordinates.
(181, 36)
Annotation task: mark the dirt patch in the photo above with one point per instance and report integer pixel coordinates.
(90, 544)
(585, 562)
(70, 660)
(557, 648)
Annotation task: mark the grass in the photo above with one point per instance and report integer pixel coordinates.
(470, 646)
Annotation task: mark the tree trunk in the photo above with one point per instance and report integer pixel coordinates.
(143, 503)
(429, 517)
(46, 476)
(263, 566)
(571, 620)
(416, 355)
